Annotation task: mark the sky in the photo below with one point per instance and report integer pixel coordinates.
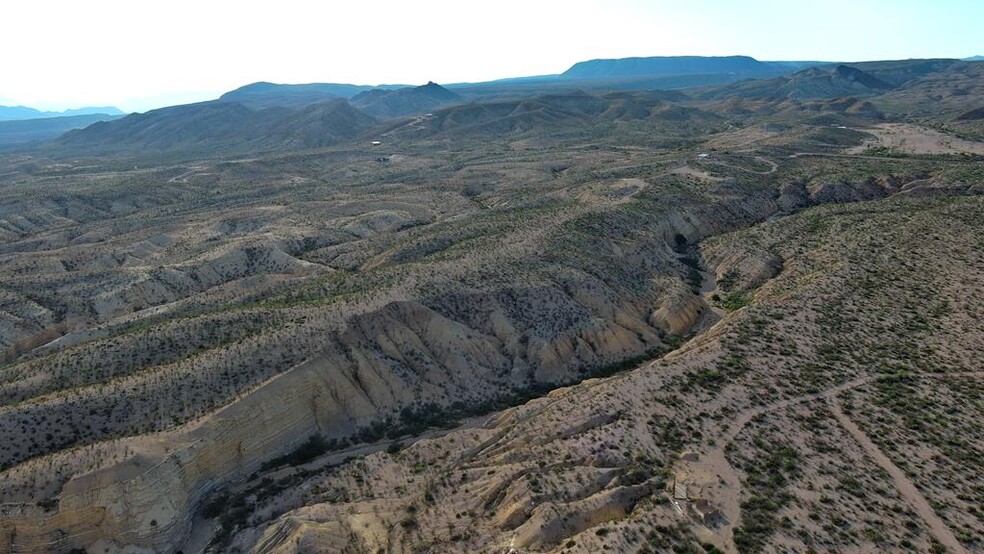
(60, 54)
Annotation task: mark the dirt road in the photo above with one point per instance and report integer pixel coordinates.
(902, 483)
(716, 462)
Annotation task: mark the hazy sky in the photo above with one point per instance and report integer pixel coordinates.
(144, 54)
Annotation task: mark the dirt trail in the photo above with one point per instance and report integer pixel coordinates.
(183, 178)
(772, 169)
(745, 417)
(683, 168)
(866, 157)
(715, 461)
(774, 165)
(902, 483)
(416, 124)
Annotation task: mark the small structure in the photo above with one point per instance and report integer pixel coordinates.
(688, 501)
(703, 155)
(706, 512)
(680, 491)
(376, 143)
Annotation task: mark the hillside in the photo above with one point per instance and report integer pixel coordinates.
(941, 95)
(768, 423)
(565, 112)
(404, 101)
(243, 117)
(808, 84)
(269, 95)
(832, 80)
(217, 127)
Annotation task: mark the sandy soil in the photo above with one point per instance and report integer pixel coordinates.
(913, 139)
(687, 170)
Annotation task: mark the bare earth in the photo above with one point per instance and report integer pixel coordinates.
(913, 139)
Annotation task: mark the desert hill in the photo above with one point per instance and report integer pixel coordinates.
(973, 114)
(550, 113)
(938, 95)
(182, 132)
(385, 103)
(219, 127)
(735, 443)
(245, 119)
(812, 83)
(267, 95)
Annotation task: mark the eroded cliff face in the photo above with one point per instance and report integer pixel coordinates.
(592, 467)
(466, 348)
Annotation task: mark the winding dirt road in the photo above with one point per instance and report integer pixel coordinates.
(772, 169)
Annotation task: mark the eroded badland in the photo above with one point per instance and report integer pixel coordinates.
(729, 319)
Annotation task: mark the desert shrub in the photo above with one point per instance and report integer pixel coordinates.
(736, 300)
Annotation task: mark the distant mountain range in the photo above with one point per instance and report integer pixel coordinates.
(657, 72)
(24, 132)
(974, 59)
(262, 116)
(10, 113)
(21, 126)
(269, 116)
(832, 81)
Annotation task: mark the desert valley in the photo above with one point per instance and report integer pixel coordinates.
(646, 305)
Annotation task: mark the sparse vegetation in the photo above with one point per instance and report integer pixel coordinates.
(190, 321)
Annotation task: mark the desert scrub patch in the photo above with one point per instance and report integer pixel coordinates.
(768, 473)
(735, 300)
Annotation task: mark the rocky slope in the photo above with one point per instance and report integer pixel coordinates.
(744, 414)
(452, 351)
